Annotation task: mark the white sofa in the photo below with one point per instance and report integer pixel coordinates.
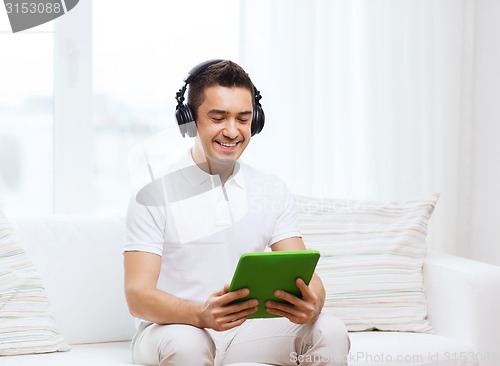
(80, 262)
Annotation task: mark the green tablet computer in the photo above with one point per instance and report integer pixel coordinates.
(264, 272)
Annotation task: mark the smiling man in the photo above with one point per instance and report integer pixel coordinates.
(179, 256)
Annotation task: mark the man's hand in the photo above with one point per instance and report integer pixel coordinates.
(298, 310)
(217, 314)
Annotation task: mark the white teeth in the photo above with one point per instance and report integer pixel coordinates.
(226, 144)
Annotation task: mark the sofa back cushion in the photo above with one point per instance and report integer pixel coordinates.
(80, 262)
(371, 259)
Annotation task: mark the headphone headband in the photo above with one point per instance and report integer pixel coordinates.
(185, 116)
(199, 68)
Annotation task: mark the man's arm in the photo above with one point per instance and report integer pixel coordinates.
(298, 310)
(147, 302)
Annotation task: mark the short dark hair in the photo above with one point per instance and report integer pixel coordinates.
(225, 73)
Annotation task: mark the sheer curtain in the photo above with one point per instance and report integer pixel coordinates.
(367, 99)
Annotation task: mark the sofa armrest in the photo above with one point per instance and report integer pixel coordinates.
(463, 298)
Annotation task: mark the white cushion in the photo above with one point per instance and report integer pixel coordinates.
(371, 259)
(407, 349)
(99, 354)
(26, 320)
(81, 264)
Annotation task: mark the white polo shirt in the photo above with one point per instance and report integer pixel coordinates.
(200, 228)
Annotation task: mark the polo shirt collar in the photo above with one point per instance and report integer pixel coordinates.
(197, 176)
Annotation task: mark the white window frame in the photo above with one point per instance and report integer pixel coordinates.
(73, 110)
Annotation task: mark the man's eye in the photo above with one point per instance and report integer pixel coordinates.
(243, 120)
(218, 119)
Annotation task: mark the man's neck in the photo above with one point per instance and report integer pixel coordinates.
(224, 170)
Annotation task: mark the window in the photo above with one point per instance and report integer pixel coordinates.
(26, 118)
(79, 93)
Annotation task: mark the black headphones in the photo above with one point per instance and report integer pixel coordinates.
(185, 116)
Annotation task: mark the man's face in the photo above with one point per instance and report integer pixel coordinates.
(224, 124)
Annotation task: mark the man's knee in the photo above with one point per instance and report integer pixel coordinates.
(325, 342)
(334, 333)
(185, 345)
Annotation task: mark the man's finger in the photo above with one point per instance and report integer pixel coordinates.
(235, 295)
(304, 289)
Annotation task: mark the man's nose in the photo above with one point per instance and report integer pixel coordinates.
(230, 129)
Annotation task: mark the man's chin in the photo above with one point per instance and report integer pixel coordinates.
(224, 161)
(226, 157)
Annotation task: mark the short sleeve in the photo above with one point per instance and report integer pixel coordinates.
(286, 225)
(144, 228)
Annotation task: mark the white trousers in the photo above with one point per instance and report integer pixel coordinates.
(274, 341)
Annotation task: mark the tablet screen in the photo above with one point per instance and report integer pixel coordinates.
(264, 272)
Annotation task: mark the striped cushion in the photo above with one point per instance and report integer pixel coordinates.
(371, 260)
(26, 321)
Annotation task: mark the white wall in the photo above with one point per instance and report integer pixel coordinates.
(485, 225)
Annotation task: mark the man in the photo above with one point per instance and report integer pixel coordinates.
(179, 255)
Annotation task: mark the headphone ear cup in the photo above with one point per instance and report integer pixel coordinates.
(186, 121)
(258, 120)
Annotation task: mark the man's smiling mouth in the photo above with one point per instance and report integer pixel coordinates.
(227, 144)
